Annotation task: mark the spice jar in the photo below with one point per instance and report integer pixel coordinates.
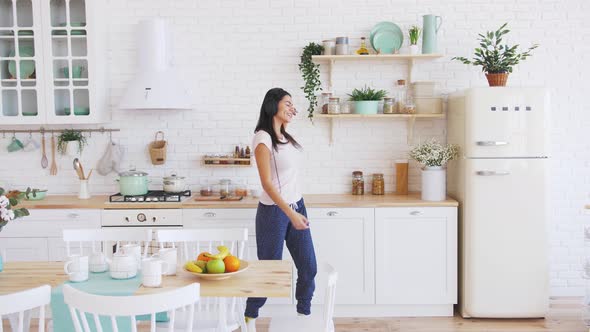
(378, 184)
(358, 183)
(400, 96)
(334, 106)
(388, 105)
(323, 102)
(224, 187)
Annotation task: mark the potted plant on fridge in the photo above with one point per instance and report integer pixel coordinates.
(366, 100)
(71, 142)
(310, 72)
(414, 34)
(434, 157)
(496, 60)
(8, 200)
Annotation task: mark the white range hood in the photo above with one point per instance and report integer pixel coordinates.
(156, 84)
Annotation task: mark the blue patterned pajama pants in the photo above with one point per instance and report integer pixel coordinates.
(273, 227)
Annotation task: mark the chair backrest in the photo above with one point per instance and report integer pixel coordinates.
(17, 304)
(332, 276)
(142, 236)
(81, 303)
(194, 241)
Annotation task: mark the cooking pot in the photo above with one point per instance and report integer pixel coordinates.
(133, 183)
(174, 184)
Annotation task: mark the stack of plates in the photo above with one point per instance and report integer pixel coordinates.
(386, 37)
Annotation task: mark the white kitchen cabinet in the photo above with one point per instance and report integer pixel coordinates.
(60, 49)
(344, 237)
(39, 236)
(416, 255)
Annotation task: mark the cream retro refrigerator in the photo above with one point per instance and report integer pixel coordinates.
(499, 180)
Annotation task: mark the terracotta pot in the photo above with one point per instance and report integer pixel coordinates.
(498, 79)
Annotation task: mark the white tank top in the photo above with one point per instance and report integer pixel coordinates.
(284, 166)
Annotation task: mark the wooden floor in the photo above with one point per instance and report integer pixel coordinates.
(566, 315)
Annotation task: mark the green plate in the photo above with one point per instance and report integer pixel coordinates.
(27, 67)
(386, 41)
(387, 26)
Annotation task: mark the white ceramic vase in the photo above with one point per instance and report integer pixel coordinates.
(72, 149)
(414, 49)
(434, 184)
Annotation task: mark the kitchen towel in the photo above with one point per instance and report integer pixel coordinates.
(100, 284)
(111, 159)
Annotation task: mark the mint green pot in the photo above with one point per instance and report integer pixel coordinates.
(366, 107)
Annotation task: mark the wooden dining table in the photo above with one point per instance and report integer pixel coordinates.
(269, 278)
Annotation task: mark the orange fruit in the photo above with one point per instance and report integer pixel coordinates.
(232, 263)
(202, 256)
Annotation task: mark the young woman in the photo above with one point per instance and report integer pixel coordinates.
(281, 215)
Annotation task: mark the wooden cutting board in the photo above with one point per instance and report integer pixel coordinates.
(217, 198)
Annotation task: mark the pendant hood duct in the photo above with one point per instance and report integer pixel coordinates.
(156, 84)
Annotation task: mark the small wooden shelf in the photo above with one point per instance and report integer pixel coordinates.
(410, 118)
(226, 162)
(375, 57)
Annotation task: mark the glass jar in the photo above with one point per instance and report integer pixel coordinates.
(334, 106)
(358, 183)
(400, 96)
(206, 189)
(346, 107)
(378, 184)
(240, 188)
(323, 102)
(388, 105)
(224, 187)
(410, 106)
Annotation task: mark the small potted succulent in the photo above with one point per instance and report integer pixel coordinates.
(414, 34)
(366, 100)
(496, 60)
(434, 156)
(71, 142)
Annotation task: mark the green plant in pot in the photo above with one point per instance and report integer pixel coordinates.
(310, 72)
(496, 60)
(71, 142)
(414, 34)
(366, 100)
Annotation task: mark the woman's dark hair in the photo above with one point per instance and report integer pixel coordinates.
(270, 107)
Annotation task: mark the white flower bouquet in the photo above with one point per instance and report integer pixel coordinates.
(432, 153)
(7, 203)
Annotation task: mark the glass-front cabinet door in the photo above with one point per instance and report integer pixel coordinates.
(52, 62)
(21, 66)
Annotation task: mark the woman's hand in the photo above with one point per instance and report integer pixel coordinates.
(299, 221)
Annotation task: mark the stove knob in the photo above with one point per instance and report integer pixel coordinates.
(153, 219)
(133, 199)
(147, 199)
(141, 217)
(127, 219)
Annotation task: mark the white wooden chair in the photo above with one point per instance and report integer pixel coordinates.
(141, 236)
(314, 323)
(81, 303)
(18, 307)
(227, 316)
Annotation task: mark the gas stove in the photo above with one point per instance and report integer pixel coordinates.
(152, 196)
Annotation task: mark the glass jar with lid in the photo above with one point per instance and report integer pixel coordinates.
(358, 183)
(400, 96)
(378, 184)
(224, 187)
(334, 105)
(323, 102)
(388, 105)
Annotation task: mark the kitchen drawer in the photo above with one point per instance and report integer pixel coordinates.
(220, 218)
(336, 213)
(413, 212)
(50, 223)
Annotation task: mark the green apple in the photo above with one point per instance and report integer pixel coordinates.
(215, 266)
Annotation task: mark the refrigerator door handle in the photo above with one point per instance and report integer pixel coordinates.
(492, 173)
(491, 143)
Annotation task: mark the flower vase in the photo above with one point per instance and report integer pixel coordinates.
(414, 49)
(434, 186)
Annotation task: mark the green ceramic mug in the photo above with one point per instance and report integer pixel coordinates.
(15, 145)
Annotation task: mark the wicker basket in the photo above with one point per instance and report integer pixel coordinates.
(158, 149)
(497, 79)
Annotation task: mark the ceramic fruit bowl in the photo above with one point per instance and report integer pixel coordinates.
(218, 276)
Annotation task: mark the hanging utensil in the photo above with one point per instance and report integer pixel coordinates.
(78, 169)
(89, 173)
(44, 161)
(53, 169)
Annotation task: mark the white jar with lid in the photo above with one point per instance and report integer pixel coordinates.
(342, 46)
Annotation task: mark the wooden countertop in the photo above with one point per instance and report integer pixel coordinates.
(312, 200)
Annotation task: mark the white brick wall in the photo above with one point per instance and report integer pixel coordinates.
(233, 51)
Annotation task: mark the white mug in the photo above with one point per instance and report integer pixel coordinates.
(77, 268)
(133, 250)
(151, 271)
(31, 145)
(170, 257)
(98, 262)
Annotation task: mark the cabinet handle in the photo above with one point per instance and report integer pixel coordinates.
(492, 173)
(332, 213)
(491, 143)
(73, 215)
(415, 213)
(210, 214)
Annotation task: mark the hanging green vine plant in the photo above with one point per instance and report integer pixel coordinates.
(310, 72)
